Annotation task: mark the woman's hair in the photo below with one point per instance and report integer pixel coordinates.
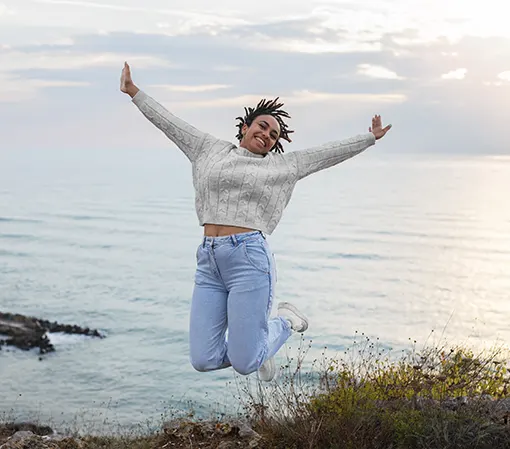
(266, 107)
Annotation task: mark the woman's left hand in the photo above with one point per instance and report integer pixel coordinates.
(376, 129)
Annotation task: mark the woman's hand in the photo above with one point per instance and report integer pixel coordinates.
(126, 82)
(376, 129)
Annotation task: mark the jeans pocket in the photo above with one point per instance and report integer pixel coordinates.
(203, 266)
(256, 255)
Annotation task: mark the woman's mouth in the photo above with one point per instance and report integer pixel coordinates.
(261, 141)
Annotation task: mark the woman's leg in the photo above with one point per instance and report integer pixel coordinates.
(252, 337)
(208, 318)
(249, 274)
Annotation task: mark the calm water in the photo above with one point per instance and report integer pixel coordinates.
(394, 246)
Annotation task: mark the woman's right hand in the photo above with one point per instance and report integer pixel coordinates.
(126, 82)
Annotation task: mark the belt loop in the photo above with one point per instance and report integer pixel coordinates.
(234, 239)
(203, 241)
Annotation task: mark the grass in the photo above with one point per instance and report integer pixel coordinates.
(438, 397)
(367, 398)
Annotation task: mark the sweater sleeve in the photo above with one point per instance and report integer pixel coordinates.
(190, 140)
(325, 156)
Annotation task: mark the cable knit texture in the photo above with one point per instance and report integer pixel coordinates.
(235, 187)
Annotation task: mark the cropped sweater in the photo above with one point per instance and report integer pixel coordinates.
(235, 187)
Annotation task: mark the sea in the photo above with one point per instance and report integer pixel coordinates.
(400, 248)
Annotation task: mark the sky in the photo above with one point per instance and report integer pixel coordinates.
(438, 72)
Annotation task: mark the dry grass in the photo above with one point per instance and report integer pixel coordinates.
(438, 397)
(367, 398)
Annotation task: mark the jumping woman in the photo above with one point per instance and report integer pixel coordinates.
(241, 192)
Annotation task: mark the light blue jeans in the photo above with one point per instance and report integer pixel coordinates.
(233, 293)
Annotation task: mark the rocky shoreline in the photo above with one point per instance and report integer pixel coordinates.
(455, 423)
(177, 434)
(26, 333)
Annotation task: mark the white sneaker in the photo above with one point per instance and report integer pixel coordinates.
(298, 322)
(267, 370)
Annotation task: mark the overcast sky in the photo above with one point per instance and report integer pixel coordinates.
(439, 72)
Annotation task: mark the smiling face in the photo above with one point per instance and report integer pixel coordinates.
(261, 136)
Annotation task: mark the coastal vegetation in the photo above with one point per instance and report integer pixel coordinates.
(366, 398)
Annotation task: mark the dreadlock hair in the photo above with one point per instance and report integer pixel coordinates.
(266, 107)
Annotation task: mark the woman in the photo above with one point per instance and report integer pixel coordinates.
(240, 194)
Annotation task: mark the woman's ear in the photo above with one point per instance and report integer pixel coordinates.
(244, 129)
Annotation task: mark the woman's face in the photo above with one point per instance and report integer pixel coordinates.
(262, 135)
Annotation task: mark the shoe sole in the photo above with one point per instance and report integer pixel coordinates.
(293, 309)
(272, 370)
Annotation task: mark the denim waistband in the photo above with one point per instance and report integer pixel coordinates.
(233, 239)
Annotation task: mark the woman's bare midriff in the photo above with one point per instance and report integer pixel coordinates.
(212, 230)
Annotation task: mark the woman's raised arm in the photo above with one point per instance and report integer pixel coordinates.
(190, 140)
(324, 156)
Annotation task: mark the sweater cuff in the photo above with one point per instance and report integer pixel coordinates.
(139, 98)
(371, 138)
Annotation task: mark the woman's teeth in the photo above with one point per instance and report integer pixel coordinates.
(261, 141)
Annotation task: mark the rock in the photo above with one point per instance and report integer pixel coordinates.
(234, 432)
(227, 445)
(32, 443)
(245, 431)
(22, 434)
(26, 435)
(455, 403)
(254, 442)
(25, 439)
(12, 428)
(421, 403)
(29, 332)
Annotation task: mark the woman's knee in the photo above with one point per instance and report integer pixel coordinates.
(204, 364)
(245, 365)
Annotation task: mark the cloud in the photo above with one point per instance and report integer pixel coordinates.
(374, 71)
(86, 4)
(318, 45)
(321, 26)
(57, 42)
(180, 12)
(190, 89)
(303, 97)
(312, 97)
(26, 72)
(503, 79)
(11, 61)
(178, 20)
(330, 92)
(457, 74)
(17, 89)
(505, 76)
(5, 11)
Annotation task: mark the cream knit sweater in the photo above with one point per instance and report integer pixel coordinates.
(235, 187)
